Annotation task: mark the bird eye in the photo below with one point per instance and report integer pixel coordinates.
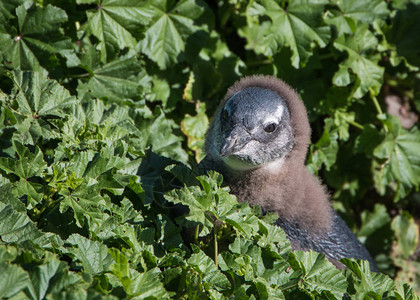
(270, 127)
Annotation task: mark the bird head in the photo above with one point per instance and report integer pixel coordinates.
(252, 129)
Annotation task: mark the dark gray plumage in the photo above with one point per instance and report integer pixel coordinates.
(258, 140)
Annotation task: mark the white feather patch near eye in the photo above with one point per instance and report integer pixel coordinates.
(276, 116)
(279, 112)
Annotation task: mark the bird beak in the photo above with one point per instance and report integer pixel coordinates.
(234, 142)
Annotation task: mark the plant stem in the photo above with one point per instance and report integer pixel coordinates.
(197, 230)
(378, 107)
(84, 75)
(355, 124)
(216, 260)
(375, 102)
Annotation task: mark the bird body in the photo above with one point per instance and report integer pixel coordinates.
(258, 140)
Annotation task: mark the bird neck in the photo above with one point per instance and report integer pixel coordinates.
(287, 188)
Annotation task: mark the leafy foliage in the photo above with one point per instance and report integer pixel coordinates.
(104, 108)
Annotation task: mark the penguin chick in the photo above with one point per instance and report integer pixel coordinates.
(258, 140)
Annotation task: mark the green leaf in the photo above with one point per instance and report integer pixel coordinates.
(403, 33)
(246, 259)
(116, 24)
(93, 255)
(160, 91)
(49, 276)
(373, 221)
(398, 159)
(351, 12)
(367, 283)
(140, 285)
(206, 267)
(405, 292)
(7, 253)
(323, 152)
(257, 32)
(147, 285)
(38, 101)
(36, 37)
(104, 162)
(241, 219)
(407, 234)
(198, 203)
(27, 165)
(360, 48)
(265, 291)
(17, 227)
(369, 139)
(299, 26)
(318, 274)
(195, 127)
(119, 80)
(7, 8)
(171, 24)
(272, 234)
(14, 279)
(342, 121)
(121, 267)
(85, 202)
(214, 201)
(158, 133)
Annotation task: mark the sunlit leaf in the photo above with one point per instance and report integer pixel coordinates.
(92, 255)
(171, 23)
(366, 282)
(27, 165)
(351, 12)
(158, 132)
(36, 37)
(86, 204)
(116, 24)
(319, 274)
(195, 127)
(203, 264)
(53, 275)
(16, 227)
(38, 101)
(405, 292)
(299, 26)
(14, 279)
(360, 60)
(398, 158)
(139, 285)
(324, 151)
(119, 80)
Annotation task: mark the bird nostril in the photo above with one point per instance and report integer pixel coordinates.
(228, 147)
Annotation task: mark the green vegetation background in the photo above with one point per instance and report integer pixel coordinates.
(104, 106)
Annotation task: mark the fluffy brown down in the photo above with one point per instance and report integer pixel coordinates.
(288, 189)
